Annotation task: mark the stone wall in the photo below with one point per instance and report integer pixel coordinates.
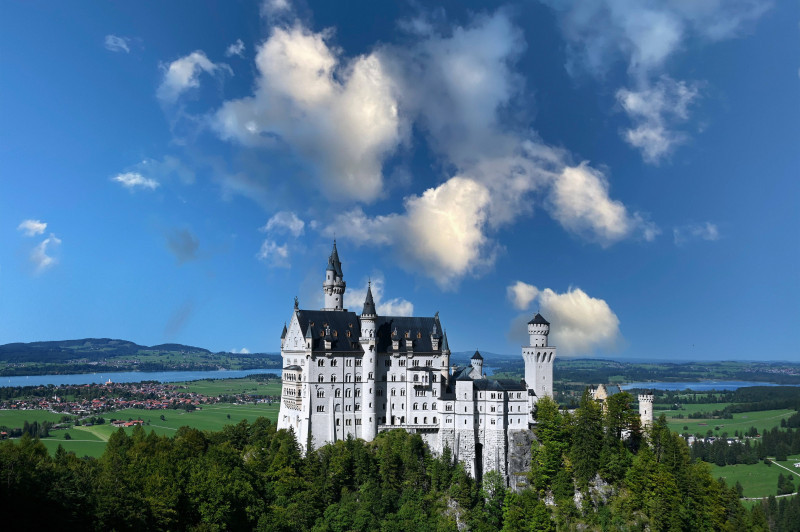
(519, 457)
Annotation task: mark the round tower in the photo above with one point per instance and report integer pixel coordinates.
(646, 409)
(369, 418)
(538, 329)
(334, 285)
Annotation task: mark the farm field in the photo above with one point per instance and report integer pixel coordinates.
(90, 441)
(763, 421)
(215, 387)
(758, 480)
(17, 418)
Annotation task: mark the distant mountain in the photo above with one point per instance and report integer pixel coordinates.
(91, 349)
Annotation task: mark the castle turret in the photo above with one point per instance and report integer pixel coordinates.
(445, 361)
(538, 357)
(368, 340)
(646, 409)
(477, 365)
(334, 285)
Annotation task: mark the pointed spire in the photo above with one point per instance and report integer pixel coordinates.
(308, 332)
(334, 264)
(369, 303)
(283, 334)
(445, 346)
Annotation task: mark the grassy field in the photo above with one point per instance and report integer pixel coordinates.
(215, 387)
(763, 421)
(17, 418)
(758, 480)
(90, 441)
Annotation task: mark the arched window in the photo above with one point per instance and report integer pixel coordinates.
(416, 406)
(424, 406)
(348, 392)
(415, 421)
(337, 393)
(320, 378)
(394, 392)
(333, 378)
(320, 393)
(358, 392)
(402, 392)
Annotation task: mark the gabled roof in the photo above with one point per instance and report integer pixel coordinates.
(417, 329)
(332, 326)
(283, 334)
(538, 320)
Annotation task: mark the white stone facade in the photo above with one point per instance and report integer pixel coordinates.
(348, 374)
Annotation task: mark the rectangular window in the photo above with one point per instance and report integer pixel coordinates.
(320, 408)
(388, 362)
(321, 362)
(402, 363)
(358, 362)
(333, 362)
(415, 363)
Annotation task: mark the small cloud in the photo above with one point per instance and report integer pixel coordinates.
(521, 294)
(236, 48)
(273, 254)
(184, 74)
(117, 44)
(132, 180)
(284, 221)
(705, 231)
(183, 244)
(274, 7)
(32, 227)
(242, 351)
(39, 256)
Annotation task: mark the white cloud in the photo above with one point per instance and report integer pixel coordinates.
(705, 231)
(440, 233)
(354, 299)
(270, 8)
(273, 254)
(242, 351)
(645, 35)
(117, 44)
(39, 256)
(580, 324)
(654, 111)
(184, 74)
(32, 227)
(521, 294)
(236, 48)
(285, 221)
(132, 180)
(341, 116)
(166, 168)
(579, 200)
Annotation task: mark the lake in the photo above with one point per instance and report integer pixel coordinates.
(129, 376)
(701, 386)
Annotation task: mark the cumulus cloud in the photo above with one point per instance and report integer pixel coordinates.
(704, 231)
(133, 180)
(184, 74)
(41, 256)
(580, 324)
(32, 227)
(341, 116)
(398, 306)
(236, 48)
(117, 44)
(274, 254)
(654, 110)
(521, 294)
(183, 244)
(285, 221)
(645, 35)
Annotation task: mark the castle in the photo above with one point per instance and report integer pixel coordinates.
(348, 374)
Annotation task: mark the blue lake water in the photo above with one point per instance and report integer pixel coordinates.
(697, 386)
(130, 376)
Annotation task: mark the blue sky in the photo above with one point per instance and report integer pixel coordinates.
(176, 173)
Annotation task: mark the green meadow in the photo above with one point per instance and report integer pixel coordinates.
(763, 421)
(17, 418)
(216, 387)
(758, 480)
(90, 441)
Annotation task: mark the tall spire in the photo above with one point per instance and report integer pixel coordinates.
(334, 285)
(369, 303)
(334, 264)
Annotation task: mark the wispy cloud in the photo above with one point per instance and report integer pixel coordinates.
(236, 48)
(285, 221)
(32, 227)
(274, 254)
(41, 256)
(115, 43)
(703, 231)
(134, 180)
(184, 74)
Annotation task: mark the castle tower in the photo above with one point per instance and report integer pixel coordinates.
(646, 409)
(369, 419)
(445, 369)
(334, 285)
(539, 358)
(477, 365)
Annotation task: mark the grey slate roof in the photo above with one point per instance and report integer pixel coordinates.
(334, 264)
(294, 368)
(477, 356)
(445, 347)
(338, 322)
(283, 334)
(369, 303)
(419, 330)
(499, 385)
(538, 320)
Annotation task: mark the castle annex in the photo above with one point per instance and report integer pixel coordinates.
(350, 374)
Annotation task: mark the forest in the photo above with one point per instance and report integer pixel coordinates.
(584, 474)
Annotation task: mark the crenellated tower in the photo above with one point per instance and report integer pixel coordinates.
(539, 358)
(334, 285)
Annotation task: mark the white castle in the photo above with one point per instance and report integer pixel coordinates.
(354, 375)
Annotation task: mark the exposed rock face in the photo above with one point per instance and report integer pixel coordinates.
(519, 458)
